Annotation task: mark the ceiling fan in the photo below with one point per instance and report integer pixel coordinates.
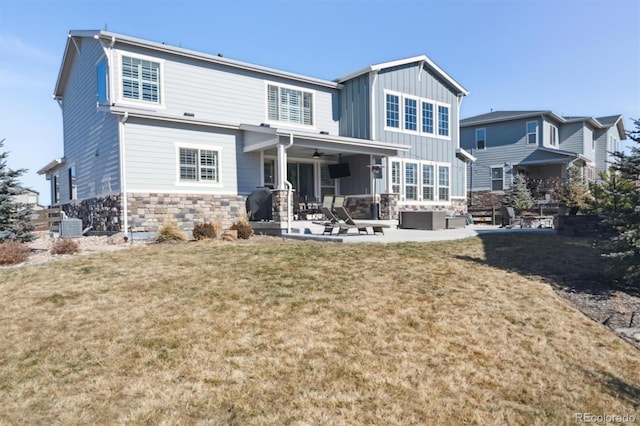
(317, 154)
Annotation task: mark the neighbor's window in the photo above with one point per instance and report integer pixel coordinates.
(140, 80)
(290, 105)
(427, 182)
(103, 82)
(553, 140)
(480, 138)
(55, 188)
(411, 181)
(410, 114)
(443, 183)
(497, 178)
(395, 177)
(393, 110)
(73, 189)
(532, 132)
(443, 120)
(198, 165)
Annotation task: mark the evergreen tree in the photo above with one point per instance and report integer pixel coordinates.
(575, 191)
(618, 199)
(14, 217)
(518, 196)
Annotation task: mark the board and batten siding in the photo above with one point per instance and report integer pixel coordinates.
(90, 136)
(355, 114)
(420, 82)
(152, 159)
(219, 93)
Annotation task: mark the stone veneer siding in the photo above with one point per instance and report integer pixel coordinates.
(103, 214)
(485, 199)
(359, 206)
(148, 211)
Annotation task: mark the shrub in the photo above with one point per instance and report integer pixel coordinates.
(12, 252)
(169, 231)
(65, 246)
(206, 230)
(243, 228)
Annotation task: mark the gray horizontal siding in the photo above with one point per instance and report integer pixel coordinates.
(152, 159)
(90, 136)
(218, 93)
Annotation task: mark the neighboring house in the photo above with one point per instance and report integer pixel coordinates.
(153, 132)
(28, 197)
(539, 144)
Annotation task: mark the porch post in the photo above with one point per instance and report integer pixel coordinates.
(282, 166)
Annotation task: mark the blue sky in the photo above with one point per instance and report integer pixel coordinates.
(575, 57)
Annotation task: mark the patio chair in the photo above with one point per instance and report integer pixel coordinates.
(362, 226)
(509, 218)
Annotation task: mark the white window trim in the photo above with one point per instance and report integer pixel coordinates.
(436, 181)
(290, 124)
(497, 166)
(526, 129)
(199, 183)
(418, 115)
(400, 127)
(132, 102)
(418, 131)
(485, 139)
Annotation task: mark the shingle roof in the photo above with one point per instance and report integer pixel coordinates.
(609, 120)
(500, 116)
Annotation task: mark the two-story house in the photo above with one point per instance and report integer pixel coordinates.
(153, 132)
(538, 144)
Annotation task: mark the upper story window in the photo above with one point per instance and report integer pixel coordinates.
(553, 135)
(404, 113)
(443, 120)
(411, 114)
(532, 132)
(481, 138)
(140, 80)
(199, 165)
(290, 105)
(393, 110)
(427, 117)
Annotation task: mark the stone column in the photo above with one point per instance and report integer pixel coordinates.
(280, 207)
(389, 206)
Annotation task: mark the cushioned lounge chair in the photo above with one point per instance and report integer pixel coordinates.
(362, 226)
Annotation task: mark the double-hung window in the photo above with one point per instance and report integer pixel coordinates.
(199, 165)
(443, 183)
(411, 181)
(443, 120)
(532, 132)
(393, 110)
(497, 178)
(481, 139)
(411, 114)
(140, 80)
(290, 105)
(428, 182)
(396, 185)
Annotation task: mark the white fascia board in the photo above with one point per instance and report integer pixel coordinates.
(52, 165)
(365, 143)
(466, 155)
(513, 117)
(214, 59)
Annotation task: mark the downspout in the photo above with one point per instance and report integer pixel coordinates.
(123, 185)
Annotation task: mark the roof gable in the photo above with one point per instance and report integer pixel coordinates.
(426, 62)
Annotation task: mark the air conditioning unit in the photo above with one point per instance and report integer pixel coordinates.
(71, 228)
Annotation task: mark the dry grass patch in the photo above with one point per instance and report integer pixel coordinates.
(290, 332)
